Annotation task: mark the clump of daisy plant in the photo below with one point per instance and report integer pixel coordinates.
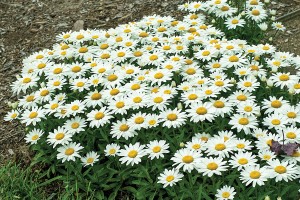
(163, 108)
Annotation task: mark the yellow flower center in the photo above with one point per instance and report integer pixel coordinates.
(56, 83)
(277, 63)
(201, 111)
(96, 96)
(159, 75)
(205, 53)
(224, 8)
(241, 97)
(41, 66)
(76, 69)
(243, 161)
(124, 127)
(170, 178)
(121, 54)
(90, 160)
(14, 115)
(280, 169)
(57, 71)
(44, 93)
(104, 46)
(255, 12)
(112, 151)
(156, 149)
(220, 147)
(139, 120)
(35, 137)
(291, 115)
(266, 157)
(284, 77)
(99, 115)
(114, 92)
(75, 107)
(79, 37)
(235, 21)
(66, 36)
(75, 125)
(196, 146)
(172, 117)
(240, 146)
(83, 50)
(69, 151)
(192, 97)
(135, 86)
(275, 122)
(225, 194)
(296, 154)
(112, 77)
(291, 135)
(297, 86)
(216, 65)
(137, 53)
(158, 99)
(129, 71)
(54, 106)
(203, 138)
(190, 71)
(187, 159)
(59, 136)
(247, 84)
(153, 57)
(132, 154)
(219, 104)
(248, 108)
(33, 115)
(120, 104)
(39, 57)
(233, 58)
(105, 56)
(137, 99)
(152, 122)
(212, 166)
(208, 92)
(243, 121)
(276, 104)
(255, 174)
(26, 80)
(30, 98)
(80, 84)
(219, 83)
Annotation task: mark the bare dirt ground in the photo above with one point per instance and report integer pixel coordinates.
(27, 26)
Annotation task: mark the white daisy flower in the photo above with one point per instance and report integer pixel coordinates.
(112, 149)
(201, 112)
(226, 192)
(254, 175)
(75, 125)
(242, 160)
(33, 136)
(90, 158)
(32, 116)
(186, 159)
(210, 166)
(157, 149)
(122, 129)
(172, 118)
(69, 152)
(59, 136)
(169, 177)
(132, 154)
(283, 170)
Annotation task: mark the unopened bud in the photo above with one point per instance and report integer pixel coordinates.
(270, 39)
(270, 83)
(213, 21)
(179, 106)
(181, 144)
(273, 18)
(267, 198)
(263, 79)
(291, 91)
(233, 81)
(267, 1)
(273, 12)
(173, 84)
(279, 198)
(15, 105)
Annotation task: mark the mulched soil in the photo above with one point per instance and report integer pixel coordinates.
(31, 25)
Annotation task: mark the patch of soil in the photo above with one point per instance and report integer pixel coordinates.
(30, 26)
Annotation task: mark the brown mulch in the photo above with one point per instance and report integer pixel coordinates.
(31, 25)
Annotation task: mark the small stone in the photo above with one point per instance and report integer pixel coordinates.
(78, 25)
(11, 152)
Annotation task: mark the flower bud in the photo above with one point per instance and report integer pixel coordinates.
(273, 12)
(263, 79)
(213, 21)
(291, 91)
(267, 198)
(273, 18)
(181, 144)
(270, 83)
(173, 84)
(179, 106)
(279, 198)
(15, 105)
(233, 81)
(270, 39)
(267, 1)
